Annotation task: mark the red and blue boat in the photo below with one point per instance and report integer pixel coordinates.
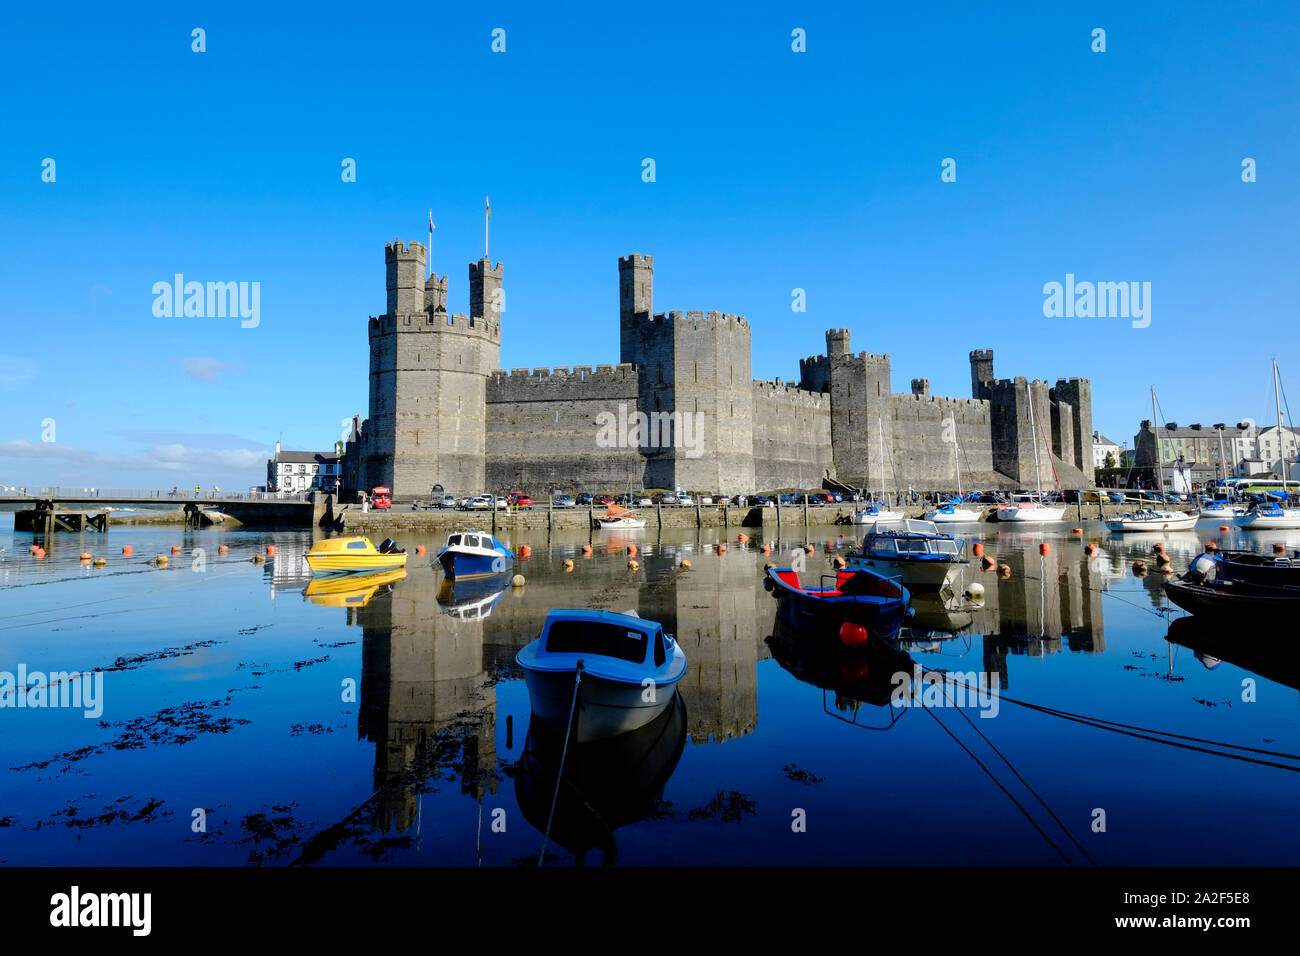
(853, 596)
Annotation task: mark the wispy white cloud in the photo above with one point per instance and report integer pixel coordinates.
(16, 371)
(205, 368)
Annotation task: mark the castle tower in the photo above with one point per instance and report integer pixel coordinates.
(428, 380)
(636, 282)
(860, 388)
(920, 386)
(981, 372)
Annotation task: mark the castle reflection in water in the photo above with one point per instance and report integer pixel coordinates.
(430, 669)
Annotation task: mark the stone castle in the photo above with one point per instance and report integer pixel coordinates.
(442, 412)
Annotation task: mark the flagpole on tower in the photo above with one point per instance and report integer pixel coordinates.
(428, 258)
(487, 217)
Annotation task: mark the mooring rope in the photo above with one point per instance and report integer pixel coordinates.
(564, 754)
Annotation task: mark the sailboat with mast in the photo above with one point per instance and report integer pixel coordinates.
(1154, 519)
(1037, 510)
(950, 512)
(872, 513)
(1271, 515)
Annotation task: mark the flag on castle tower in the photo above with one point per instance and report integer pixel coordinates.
(431, 225)
(487, 201)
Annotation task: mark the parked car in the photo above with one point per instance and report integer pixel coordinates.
(602, 500)
(644, 502)
(584, 499)
(706, 500)
(447, 501)
(523, 501)
(686, 501)
(1116, 496)
(785, 499)
(563, 501)
(481, 503)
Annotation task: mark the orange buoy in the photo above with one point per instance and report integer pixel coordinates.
(742, 537)
(1279, 547)
(1158, 547)
(39, 553)
(631, 550)
(1004, 570)
(568, 565)
(978, 550)
(161, 560)
(685, 565)
(100, 562)
(222, 549)
(270, 551)
(176, 549)
(525, 551)
(420, 549)
(1044, 548)
(1090, 550)
(721, 548)
(1139, 567)
(987, 563)
(86, 556)
(127, 550)
(1078, 531)
(810, 549)
(1223, 527)
(837, 562)
(852, 635)
(586, 550)
(632, 565)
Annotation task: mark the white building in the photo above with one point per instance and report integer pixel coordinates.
(1101, 447)
(299, 471)
(1275, 444)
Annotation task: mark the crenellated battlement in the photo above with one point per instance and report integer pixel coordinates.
(399, 249)
(981, 355)
(788, 391)
(696, 319)
(627, 262)
(484, 268)
(941, 401)
(439, 322)
(563, 375)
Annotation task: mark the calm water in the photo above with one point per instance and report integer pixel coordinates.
(391, 727)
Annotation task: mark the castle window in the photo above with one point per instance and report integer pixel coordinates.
(697, 371)
(661, 374)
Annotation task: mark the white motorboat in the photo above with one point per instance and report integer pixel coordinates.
(1154, 520)
(1222, 510)
(1269, 517)
(918, 553)
(619, 519)
(874, 514)
(608, 673)
(949, 513)
(1031, 511)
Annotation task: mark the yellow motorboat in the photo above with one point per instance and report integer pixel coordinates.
(334, 555)
(350, 590)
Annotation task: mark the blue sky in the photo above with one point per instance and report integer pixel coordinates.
(775, 170)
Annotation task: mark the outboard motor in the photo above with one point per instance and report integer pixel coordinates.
(389, 546)
(1203, 570)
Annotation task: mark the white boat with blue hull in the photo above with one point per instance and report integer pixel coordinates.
(474, 553)
(621, 670)
(916, 552)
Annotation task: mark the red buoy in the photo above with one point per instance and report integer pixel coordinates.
(979, 549)
(852, 635)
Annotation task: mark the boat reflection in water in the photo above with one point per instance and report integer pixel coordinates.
(351, 590)
(863, 675)
(1273, 656)
(471, 599)
(607, 783)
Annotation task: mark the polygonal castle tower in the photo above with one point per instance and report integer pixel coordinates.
(428, 378)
